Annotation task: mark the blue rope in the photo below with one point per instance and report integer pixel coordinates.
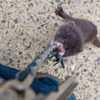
(34, 62)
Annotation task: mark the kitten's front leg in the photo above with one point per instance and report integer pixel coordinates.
(60, 12)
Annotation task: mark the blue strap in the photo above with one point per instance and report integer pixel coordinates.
(43, 85)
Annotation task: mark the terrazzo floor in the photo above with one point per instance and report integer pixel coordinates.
(27, 26)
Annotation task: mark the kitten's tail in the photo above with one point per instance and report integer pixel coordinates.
(96, 42)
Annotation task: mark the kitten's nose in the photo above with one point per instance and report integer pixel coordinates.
(60, 40)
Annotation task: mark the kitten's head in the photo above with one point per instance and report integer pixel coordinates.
(69, 35)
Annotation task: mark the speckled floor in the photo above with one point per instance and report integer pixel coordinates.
(27, 26)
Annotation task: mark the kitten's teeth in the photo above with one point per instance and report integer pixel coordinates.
(61, 54)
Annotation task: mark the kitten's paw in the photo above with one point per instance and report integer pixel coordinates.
(58, 10)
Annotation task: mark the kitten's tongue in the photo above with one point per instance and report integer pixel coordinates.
(60, 49)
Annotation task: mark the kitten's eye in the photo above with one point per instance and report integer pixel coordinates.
(64, 36)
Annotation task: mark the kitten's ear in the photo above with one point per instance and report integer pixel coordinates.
(71, 24)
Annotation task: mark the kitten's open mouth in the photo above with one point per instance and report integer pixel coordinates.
(60, 48)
